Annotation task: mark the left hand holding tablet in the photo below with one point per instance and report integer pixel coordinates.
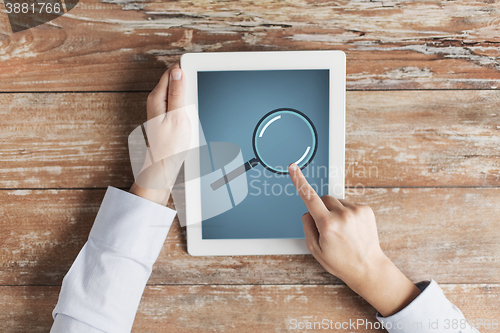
(168, 134)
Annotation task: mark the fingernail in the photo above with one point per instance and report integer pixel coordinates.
(292, 167)
(176, 74)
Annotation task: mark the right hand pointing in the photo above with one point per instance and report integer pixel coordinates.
(343, 237)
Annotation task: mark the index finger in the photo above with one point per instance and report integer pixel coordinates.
(313, 202)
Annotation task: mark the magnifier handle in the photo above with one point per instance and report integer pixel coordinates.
(233, 174)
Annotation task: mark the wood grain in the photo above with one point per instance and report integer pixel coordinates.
(427, 161)
(125, 45)
(68, 140)
(449, 234)
(394, 138)
(243, 308)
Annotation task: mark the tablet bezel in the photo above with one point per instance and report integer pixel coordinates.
(334, 61)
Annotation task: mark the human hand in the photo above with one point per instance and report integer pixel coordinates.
(343, 238)
(168, 132)
(341, 235)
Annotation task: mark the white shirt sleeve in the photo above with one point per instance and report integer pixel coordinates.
(102, 290)
(430, 312)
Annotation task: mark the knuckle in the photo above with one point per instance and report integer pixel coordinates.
(309, 193)
(356, 209)
(329, 228)
(175, 91)
(151, 97)
(310, 246)
(324, 219)
(346, 215)
(366, 208)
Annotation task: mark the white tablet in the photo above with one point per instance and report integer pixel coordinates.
(268, 109)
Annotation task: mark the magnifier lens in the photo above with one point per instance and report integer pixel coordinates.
(284, 137)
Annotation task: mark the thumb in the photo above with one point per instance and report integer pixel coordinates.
(157, 99)
(176, 89)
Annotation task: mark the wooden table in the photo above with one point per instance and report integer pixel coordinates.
(422, 148)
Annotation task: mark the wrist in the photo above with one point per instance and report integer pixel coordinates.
(385, 287)
(160, 196)
(370, 274)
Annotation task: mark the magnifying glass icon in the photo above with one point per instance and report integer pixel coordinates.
(281, 137)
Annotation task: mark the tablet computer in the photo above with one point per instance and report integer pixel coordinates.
(293, 101)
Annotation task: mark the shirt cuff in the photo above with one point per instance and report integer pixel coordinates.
(430, 311)
(104, 285)
(65, 324)
(131, 224)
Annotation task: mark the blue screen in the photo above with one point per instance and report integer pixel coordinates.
(230, 105)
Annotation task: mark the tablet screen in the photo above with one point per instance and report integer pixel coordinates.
(231, 104)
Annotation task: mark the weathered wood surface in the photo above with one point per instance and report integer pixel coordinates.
(125, 45)
(67, 140)
(394, 138)
(242, 308)
(449, 234)
(446, 142)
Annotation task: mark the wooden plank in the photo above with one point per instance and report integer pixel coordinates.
(242, 308)
(68, 140)
(409, 138)
(123, 45)
(394, 138)
(449, 234)
(44, 231)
